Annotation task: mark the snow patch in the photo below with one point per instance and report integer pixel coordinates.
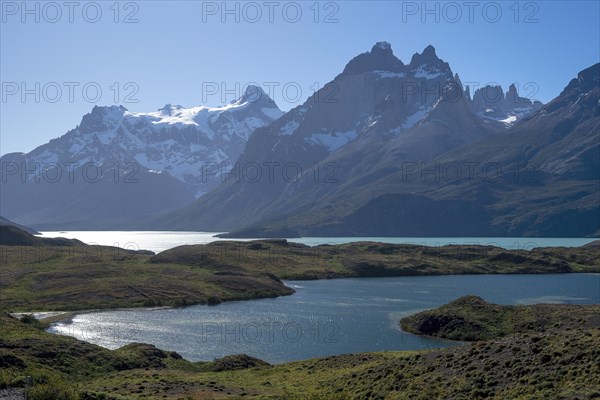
(273, 113)
(48, 157)
(75, 148)
(289, 128)
(113, 115)
(389, 74)
(510, 120)
(106, 137)
(179, 116)
(421, 72)
(253, 123)
(507, 120)
(332, 141)
(413, 119)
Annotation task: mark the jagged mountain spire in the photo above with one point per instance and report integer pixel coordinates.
(427, 57)
(380, 58)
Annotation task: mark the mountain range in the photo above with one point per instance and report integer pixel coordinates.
(405, 152)
(117, 165)
(384, 149)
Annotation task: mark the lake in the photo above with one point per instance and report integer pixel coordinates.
(322, 318)
(159, 241)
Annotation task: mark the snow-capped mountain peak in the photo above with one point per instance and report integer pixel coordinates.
(174, 139)
(102, 118)
(168, 109)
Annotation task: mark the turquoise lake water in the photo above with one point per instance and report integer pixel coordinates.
(322, 318)
(160, 241)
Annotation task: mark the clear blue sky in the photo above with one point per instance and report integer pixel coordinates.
(177, 48)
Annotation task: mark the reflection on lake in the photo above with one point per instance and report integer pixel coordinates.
(159, 241)
(323, 318)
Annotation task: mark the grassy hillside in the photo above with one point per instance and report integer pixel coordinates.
(296, 261)
(91, 277)
(12, 235)
(78, 277)
(471, 318)
(543, 362)
(49, 275)
(5, 221)
(76, 369)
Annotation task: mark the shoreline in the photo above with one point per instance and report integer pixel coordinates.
(143, 369)
(68, 315)
(314, 240)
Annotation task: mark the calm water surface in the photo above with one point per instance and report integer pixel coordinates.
(323, 318)
(160, 241)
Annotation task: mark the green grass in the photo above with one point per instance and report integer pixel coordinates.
(550, 362)
(95, 277)
(79, 277)
(296, 261)
(542, 351)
